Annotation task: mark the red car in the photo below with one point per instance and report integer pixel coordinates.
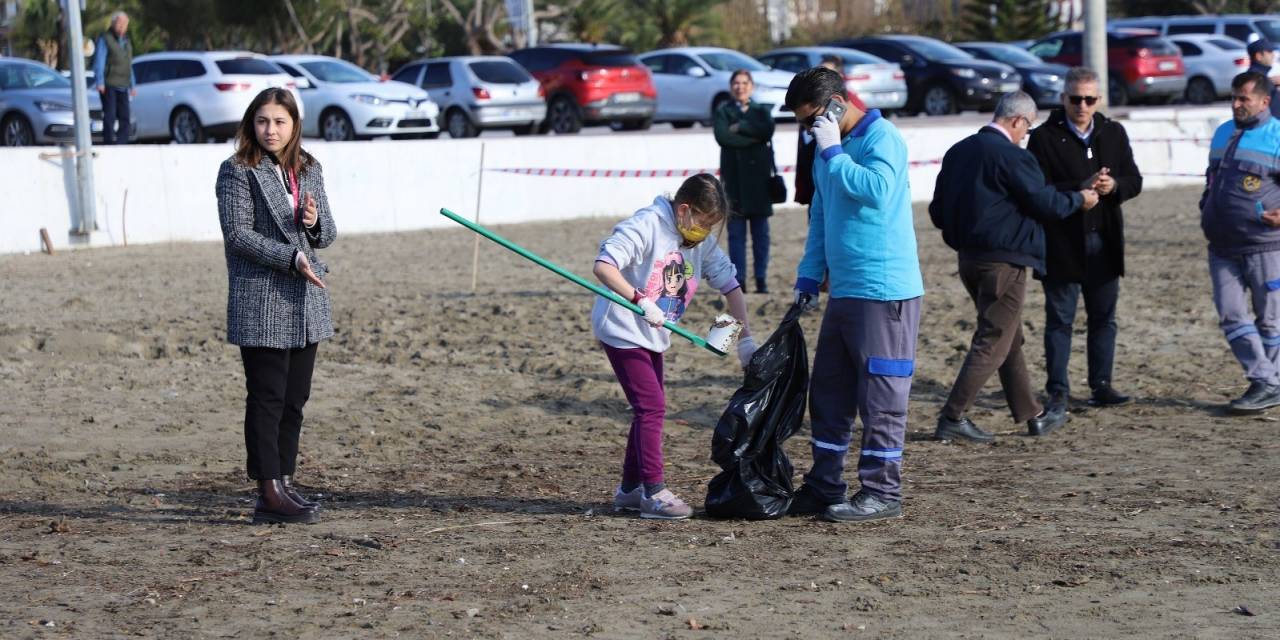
(1141, 64)
(590, 84)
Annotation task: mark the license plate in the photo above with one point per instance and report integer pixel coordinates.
(626, 97)
(1167, 66)
(415, 115)
(1009, 87)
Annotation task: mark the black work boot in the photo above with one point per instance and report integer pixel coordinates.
(1106, 396)
(296, 495)
(962, 430)
(761, 287)
(807, 502)
(1258, 397)
(1047, 421)
(1059, 401)
(863, 507)
(275, 507)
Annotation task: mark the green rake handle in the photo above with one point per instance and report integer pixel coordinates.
(575, 278)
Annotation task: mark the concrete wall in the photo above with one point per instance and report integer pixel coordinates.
(400, 185)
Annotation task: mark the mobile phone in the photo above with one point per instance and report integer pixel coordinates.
(836, 108)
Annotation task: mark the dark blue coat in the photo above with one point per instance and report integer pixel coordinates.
(990, 199)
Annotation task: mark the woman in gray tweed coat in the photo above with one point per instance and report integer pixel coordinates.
(274, 216)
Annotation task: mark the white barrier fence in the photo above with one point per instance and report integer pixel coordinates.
(151, 193)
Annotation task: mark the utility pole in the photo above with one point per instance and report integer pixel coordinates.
(87, 222)
(1095, 44)
(532, 27)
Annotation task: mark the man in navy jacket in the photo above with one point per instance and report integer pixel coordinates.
(989, 202)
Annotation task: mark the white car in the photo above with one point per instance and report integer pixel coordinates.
(348, 103)
(1211, 62)
(878, 83)
(693, 82)
(189, 96)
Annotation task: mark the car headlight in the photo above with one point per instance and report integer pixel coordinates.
(45, 105)
(364, 98)
(964, 72)
(1047, 80)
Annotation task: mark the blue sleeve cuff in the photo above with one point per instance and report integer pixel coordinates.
(807, 285)
(831, 152)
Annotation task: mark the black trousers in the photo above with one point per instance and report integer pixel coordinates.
(278, 382)
(115, 109)
(1060, 300)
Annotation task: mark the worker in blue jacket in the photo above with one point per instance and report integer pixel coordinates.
(860, 237)
(1239, 214)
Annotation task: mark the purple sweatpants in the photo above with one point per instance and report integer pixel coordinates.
(639, 372)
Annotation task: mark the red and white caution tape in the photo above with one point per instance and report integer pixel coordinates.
(642, 173)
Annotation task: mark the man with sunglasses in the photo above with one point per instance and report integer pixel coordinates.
(1240, 216)
(1084, 254)
(990, 202)
(861, 238)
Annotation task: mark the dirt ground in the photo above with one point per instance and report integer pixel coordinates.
(465, 447)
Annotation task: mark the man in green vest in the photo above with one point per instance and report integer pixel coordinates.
(113, 73)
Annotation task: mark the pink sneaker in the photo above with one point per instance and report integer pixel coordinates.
(664, 505)
(628, 501)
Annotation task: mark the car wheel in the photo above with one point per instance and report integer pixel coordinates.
(335, 126)
(526, 130)
(185, 127)
(459, 125)
(1200, 91)
(631, 125)
(683, 124)
(17, 132)
(939, 101)
(564, 116)
(1117, 93)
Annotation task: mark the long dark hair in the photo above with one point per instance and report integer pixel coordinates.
(249, 152)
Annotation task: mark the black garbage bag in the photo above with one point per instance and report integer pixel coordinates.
(755, 481)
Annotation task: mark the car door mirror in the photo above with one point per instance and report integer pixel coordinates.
(696, 72)
(303, 83)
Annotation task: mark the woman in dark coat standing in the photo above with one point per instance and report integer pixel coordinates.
(274, 215)
(744, 130)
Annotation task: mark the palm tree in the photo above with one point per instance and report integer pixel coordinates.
(676, 20)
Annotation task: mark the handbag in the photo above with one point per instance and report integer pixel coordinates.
(777, 186)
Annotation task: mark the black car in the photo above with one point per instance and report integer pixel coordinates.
(941, 79)
(1042, 80)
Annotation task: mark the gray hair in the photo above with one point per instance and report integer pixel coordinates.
(116, 15)
(1014, 105)
(1078, 75)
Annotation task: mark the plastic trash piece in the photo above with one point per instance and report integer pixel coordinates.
(755, 481)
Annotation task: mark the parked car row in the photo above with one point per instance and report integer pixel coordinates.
(190, 97)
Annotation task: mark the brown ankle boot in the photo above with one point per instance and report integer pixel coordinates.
(275, 506)
(295, 495)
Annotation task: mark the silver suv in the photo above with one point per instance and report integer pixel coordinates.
(479, 92)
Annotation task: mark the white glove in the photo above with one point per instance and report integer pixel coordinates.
(746, 349)
(652, 314)
(807, 301)
(826, 130)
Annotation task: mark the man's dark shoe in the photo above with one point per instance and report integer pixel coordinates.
(963, 430)
(1046, 422)
(1106, 396)
(1059, 402)
(807, 502)
(863, 507)
(761, 287)
(1260, 396)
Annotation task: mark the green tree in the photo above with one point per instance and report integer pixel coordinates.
(1005, 20)
(677, 22)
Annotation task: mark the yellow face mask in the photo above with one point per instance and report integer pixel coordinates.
(692, 233)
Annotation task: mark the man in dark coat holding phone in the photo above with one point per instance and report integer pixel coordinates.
(1077, 147)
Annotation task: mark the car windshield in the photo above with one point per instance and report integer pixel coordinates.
(248, 67)
(1012, 56)
(499, 72)
(731, 61)
(30, 76)
(1228, 44)
(337, 71)
(936, 50)
(1270, 29)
